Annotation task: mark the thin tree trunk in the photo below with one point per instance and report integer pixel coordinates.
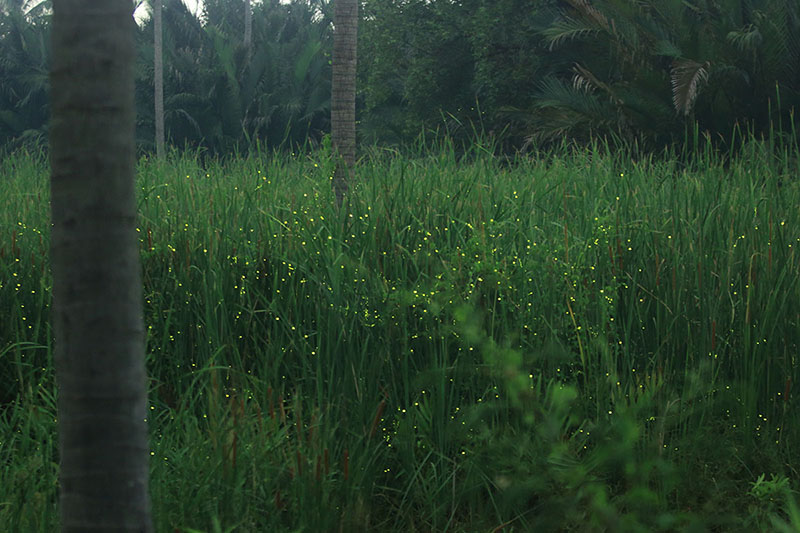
(158, 68)
(343, 93)
(248, 26)
(97, 289)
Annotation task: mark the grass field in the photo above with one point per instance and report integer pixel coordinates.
(578, 341)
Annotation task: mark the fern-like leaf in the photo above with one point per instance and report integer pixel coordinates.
(584, 80)
(687, 76)
(588, 11)
(748, 39)
(566, 30)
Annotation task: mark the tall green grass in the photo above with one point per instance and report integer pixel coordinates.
(583, 340)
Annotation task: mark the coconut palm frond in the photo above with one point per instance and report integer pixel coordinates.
(591, 13)
(566, 108)
(584, 80)
(747, 39)
(775, 50)
(566, 30)
(687, 76)
(303, 63)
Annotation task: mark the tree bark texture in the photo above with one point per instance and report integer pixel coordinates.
(97, 289)
(343, 93)
(158, 75)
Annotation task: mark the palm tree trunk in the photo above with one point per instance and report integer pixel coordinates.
(97, 289)
(158, 68)
(343, 93)
(248, 26)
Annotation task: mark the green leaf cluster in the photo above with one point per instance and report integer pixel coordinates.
(647, 70)
(221, 96)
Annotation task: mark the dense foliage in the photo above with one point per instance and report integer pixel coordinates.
(524, 72)
(24, 74)
(581, 341)
(635, 64)
(220, 97)
(589, 339)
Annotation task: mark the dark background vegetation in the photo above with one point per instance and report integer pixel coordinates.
(520, 71)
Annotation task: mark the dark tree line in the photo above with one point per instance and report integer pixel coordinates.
(221, 94)
(643, 70)
(519, 70)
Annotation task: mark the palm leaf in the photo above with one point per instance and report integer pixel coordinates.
(591, 13)
(586, 81)
(687, 76)
(304, 61)
(666, 48)
(564, 109)
(747, 39)
(566, 30)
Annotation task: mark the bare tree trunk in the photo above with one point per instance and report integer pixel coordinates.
(343, 93)
(97, 289)
(248, 26)
(158, 69)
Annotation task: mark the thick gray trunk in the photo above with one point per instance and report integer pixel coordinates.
(97, 290)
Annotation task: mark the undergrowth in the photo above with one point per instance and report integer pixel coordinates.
(587, 341)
